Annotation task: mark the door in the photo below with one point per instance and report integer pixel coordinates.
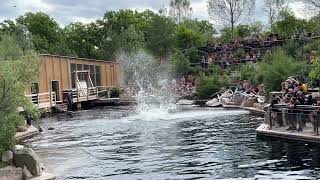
(55, 88)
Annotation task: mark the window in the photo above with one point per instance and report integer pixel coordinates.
(34, 88)
(92, 75)
(98, 75)
(73, 75)
(79, 67)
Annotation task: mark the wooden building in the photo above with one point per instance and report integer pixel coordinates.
(83, 78)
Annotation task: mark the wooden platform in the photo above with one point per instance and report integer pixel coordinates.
(307, 135)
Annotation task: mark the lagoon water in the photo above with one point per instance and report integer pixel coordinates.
(187, 143)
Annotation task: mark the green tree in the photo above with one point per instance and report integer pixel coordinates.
(288, 25)
(180, 64)
(17, 70)
(160, 36)
(82, 39)
(47, 36)
(187, 38)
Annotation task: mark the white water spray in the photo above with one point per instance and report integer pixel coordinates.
(149, 82)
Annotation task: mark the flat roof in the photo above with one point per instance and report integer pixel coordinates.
(77, 58)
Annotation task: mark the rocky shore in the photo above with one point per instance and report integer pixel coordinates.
(22, 163)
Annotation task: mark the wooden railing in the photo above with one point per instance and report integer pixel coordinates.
(105, 89)
(43, 100)
(79, 95)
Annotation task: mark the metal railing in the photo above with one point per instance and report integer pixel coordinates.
(43, 100)
(295, 118)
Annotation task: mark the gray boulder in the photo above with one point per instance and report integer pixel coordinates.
(11, 173)
(26, 175)
(27, 157)
(7, 156)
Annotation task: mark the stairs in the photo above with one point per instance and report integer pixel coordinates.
(61, 107)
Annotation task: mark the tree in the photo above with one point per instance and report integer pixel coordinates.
(273, 8)
(180, 10)
(187, 38)
(46, 33)
(82, 39)
(8, 27)
(18, 69)
(288, 25)
(230, 12)
(160, 36)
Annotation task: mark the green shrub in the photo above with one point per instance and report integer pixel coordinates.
(208, 85)
(273, 71)
(17, 70)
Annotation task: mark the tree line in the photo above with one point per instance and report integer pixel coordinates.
(160, 33)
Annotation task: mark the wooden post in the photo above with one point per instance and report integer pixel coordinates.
(88, 93)
(270, 119)
(77, 95)
(50, 98)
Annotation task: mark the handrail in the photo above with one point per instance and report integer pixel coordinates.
(47, 99)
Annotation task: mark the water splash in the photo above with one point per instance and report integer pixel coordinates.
(149, 82)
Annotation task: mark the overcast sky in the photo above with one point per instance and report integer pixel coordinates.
(66, 11)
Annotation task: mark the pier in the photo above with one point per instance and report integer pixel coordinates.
(300, 123)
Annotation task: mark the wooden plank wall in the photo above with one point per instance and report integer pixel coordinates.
(56, 68)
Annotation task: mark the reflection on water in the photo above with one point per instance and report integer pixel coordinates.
(191, 143)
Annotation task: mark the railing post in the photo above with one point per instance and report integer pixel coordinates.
(270, 119)
(317, 124)
(77, 95)
(50, 98)
(283, 113)
(88, 91)
(38, 100)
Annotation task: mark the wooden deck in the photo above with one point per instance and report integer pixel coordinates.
(307, 135)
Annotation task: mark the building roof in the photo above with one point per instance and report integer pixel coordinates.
(77, 58)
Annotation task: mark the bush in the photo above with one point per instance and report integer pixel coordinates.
(180, 64)
(208, 85)
(276, 69)
(17, 70)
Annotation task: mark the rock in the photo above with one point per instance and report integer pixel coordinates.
(11, 173)
(22, 129)
(238, 99)
(213, 103)
(249, 102)
(51, 128)
(185, 102)
(45, 176)
(26, 175)
(7, 156)
(27, 157)
(17, 147)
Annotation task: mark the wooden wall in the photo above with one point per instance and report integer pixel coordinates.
(56, 68)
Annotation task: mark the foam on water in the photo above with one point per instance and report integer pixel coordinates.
(157, 114)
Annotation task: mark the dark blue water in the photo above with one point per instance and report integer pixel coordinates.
(189, 143)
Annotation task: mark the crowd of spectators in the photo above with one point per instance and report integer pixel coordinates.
(244, 50)
(295, 93)
(186, 85)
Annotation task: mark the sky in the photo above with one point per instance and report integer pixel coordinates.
(86, 11)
